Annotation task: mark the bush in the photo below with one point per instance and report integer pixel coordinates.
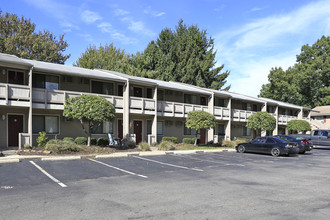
(232, 144)
(171, 139)
(166, 145)
(189, 140)
(144, 146)
(68, 139)
(27, 147)
(93, 141)
(103, 142)
(154, 144)
(42, 139)
(62, 146)
(131, 144)
(81, 140)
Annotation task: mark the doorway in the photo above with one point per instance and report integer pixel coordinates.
(138, 131)
(15, 126)
(202, 136)
(120, 129)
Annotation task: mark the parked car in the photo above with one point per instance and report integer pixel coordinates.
(269, 145)
(303, 143)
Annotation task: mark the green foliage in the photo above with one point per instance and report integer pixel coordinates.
(92, 109)
(189, 140)
(103, 142)
(166, 145)
(28, 147)
(307, 82)
(42, 139)
(233, 143)
(171, 139)
(131, 144)
(68, 139)
(81, 140)
(261, 121)
(93, 141)
(18, 37)
(62, 146)
(144, 146)
(298, 125)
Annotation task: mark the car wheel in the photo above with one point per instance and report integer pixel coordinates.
(240, 149)
(303, 152)
(275, 152)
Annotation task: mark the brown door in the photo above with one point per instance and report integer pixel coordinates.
(15, 126)
(120, 129)
(138, 131)
(202, 136)
(203, 100)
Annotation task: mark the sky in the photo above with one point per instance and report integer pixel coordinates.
(250, 36)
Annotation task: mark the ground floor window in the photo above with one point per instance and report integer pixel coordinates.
(47, 123)
(149, 126)
(189, 131)
(221, 129)
(246, 131)
(160, 127)
(104, 128)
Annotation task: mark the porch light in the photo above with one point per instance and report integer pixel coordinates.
(3, 117)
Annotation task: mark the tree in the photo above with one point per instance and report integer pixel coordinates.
(298, 126)
(261, 121)
(200, 120)
(185, 55)
(89, 109)
(105, 57)
(18, 37)
(307, 82)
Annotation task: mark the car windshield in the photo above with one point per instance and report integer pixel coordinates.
(279, 140)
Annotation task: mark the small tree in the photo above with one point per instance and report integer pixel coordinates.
(298, 125)
(200, 120)
(89, 109)
(261, 121)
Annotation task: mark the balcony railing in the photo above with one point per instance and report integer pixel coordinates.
(166, 108)
(44, 96)
(12, 92)
(284, 119)
(142, 104)
(221, 112)
(241, 115)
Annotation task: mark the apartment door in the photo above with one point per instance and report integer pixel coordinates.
(120, 129)
(202, 136)
(15, 126)
(138, 131)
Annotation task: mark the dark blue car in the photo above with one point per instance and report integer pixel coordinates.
(303, 144)
(268, 145)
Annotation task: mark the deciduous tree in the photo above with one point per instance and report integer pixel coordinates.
(298, 126)
(261, 121)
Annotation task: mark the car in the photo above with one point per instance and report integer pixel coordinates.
(269, 145)
(303, 143)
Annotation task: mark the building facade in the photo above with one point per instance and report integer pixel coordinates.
(33, 94)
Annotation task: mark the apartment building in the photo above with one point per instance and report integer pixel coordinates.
(33, 94)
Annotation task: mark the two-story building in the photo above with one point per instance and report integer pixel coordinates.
(33, 94)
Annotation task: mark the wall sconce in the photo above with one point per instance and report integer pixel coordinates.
(3, 72)
(3, 117)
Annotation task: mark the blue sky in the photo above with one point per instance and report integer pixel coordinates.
(250, 37)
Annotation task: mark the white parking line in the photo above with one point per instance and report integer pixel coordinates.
(210, 161)
(47, 174)
(168, 164)
(125, 171)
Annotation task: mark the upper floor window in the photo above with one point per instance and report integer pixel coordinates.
(220, 102)
(15, 77)
(102, 88)
(191, 99)
(160, 95)
(45, 81)
(149, 93)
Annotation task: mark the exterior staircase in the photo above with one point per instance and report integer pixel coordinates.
(316, 124)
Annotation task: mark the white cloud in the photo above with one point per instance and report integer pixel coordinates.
(154, 13)
(90, 17)
(138, 27)
(106, 27)
(120, 12)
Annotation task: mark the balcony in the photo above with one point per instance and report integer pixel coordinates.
(241, 115)
(175, 109)
(284, 119)
(221, 113)
(141, 105)
(14, 95)
(55, 99)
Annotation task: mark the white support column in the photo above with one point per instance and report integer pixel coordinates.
(126, 101)
(275, 132)
(211, 111)
(228, 126)
(154, 121)
(264, 109)
(30, 108)
(300, 114)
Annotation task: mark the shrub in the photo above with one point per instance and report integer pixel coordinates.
(171, 139)
(144, 146)
(93, 141)
(81, 140)
(68, 139)
(131, 144)
(62, 146)
(189, 140)
(166, 145)
(232, 144)
(102, 142)
(42, 139)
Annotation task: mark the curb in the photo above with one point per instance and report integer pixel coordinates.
(9, 160)
(61, 158)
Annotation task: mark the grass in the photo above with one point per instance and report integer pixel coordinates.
(191, 147)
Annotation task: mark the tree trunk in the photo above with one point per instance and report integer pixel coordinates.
(89, 140)
(195, 140)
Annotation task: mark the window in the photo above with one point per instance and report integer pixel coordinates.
(45, 81)
(137, 91)
(189, 131)
(160, 127)
(246, 131)
(259, 140)
(149, 126)
(149, 93)
(191, 99)
(104, 128)
(270, 141)
(15, 77)
(102, 88)
(220, 102)
(49, 124)
(221, 129)
(160, 95)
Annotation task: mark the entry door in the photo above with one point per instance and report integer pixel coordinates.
(120, 129)
(202, 135)
(15, 126)
(138, 131)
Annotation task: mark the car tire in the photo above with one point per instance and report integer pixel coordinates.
(240, 149)
(303, 152)
(275, 152)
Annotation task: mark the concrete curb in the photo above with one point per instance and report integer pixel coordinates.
(9, 160)
(61, 158)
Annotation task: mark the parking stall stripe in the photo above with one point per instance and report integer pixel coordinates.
(168, 164)
(47, 174)
(210, 161)
(125, 171)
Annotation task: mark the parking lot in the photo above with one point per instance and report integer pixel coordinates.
(225, 185)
